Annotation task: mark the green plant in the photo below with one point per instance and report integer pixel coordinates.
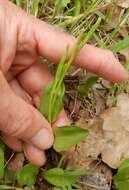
(54, 92)
(63, 179)
(50, 107)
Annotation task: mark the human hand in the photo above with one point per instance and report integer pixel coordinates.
(22, 40)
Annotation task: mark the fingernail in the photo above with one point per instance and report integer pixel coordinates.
(62, 122)
(43, 139)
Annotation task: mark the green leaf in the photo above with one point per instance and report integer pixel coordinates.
(34, 7)
(56, 176)
(68, 136)
(62, 178)
(120, 185)
(1, 159)
(77, 7)
(84, 89)
(27, 175)
(124, 164)
(121, 179)
(51, 109)
(120, 45)
(122, 175)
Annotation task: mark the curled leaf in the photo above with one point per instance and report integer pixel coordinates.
(49, 108)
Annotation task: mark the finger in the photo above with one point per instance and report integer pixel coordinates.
(30, 150)
(34, 155)
(22, 120)
(19, 91)
(52, 42)
(12, 142)
(34, 80)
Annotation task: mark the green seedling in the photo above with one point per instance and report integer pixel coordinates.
(51, 105)
(63, 179)
(52, 98)
(54, 93)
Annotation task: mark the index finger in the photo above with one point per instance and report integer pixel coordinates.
(52, 42)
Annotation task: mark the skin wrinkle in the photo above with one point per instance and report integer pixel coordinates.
(46, 51)
(12, 142)
(101, 64)
(23, 125)
(7, 54)
(20, 127)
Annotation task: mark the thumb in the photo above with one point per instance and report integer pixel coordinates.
(19, 119)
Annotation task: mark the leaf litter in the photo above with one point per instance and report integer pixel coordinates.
(107, 142)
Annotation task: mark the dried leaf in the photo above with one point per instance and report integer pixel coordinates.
(16, 162)
(116, 132)
(122, 3)
(109, 136)
(88, 150)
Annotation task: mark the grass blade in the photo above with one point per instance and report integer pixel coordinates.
(120, 45)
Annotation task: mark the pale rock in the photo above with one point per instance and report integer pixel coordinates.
(108, 137)
(116, 132)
